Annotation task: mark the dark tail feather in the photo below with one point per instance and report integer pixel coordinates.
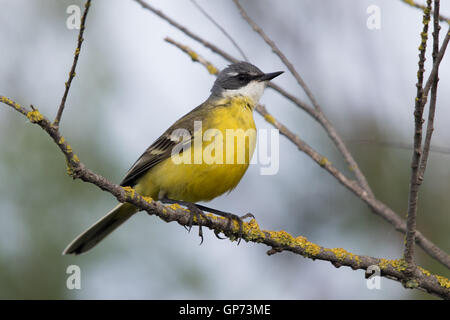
(97, 232)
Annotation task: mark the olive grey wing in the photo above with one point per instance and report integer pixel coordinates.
(179, 134)
(160, 150)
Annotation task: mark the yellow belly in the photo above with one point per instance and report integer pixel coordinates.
(221, 166)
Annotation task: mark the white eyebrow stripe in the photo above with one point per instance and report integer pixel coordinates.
(232, 74)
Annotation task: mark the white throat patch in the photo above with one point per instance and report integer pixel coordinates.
(253, 90)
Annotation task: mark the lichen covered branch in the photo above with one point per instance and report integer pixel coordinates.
(74, 64)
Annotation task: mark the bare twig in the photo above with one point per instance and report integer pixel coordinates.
(194, 56)
(331, 131)
(375, 205)
(277, 240)
(220, 28)
(74, 64)
(434, 70)
(432, 109)
(418, 112)
(412, 3)
(299, 103)
(423, 100)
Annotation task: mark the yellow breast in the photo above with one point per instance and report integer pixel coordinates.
(228, 141)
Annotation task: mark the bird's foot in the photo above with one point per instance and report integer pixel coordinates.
(231, 217)
(195, 212)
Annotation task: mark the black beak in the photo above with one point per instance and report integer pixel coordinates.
(270, 76)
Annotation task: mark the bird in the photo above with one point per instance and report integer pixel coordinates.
(193, 177)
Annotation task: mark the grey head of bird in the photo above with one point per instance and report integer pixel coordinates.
(242, 79)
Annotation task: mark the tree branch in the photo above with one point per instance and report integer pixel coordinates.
(418, 112)
(433, 99)
(278, 240)
(434, 70)
(419, 160)
(74, 65)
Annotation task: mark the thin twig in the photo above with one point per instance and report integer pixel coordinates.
(194, 56)
(331, 131)
(375, 205)
(434, 70)
(278, 241)
(74, 65)
(210, 18)
(418, 113)
(422, 7)
(299, 103)
(186, 31)
(432, 109)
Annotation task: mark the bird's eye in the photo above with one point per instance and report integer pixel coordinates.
(242, 77)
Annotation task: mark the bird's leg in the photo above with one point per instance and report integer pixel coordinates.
(230, 217)
(194, 211)
(198, 209)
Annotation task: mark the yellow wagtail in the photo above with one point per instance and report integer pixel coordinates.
(207, 168)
